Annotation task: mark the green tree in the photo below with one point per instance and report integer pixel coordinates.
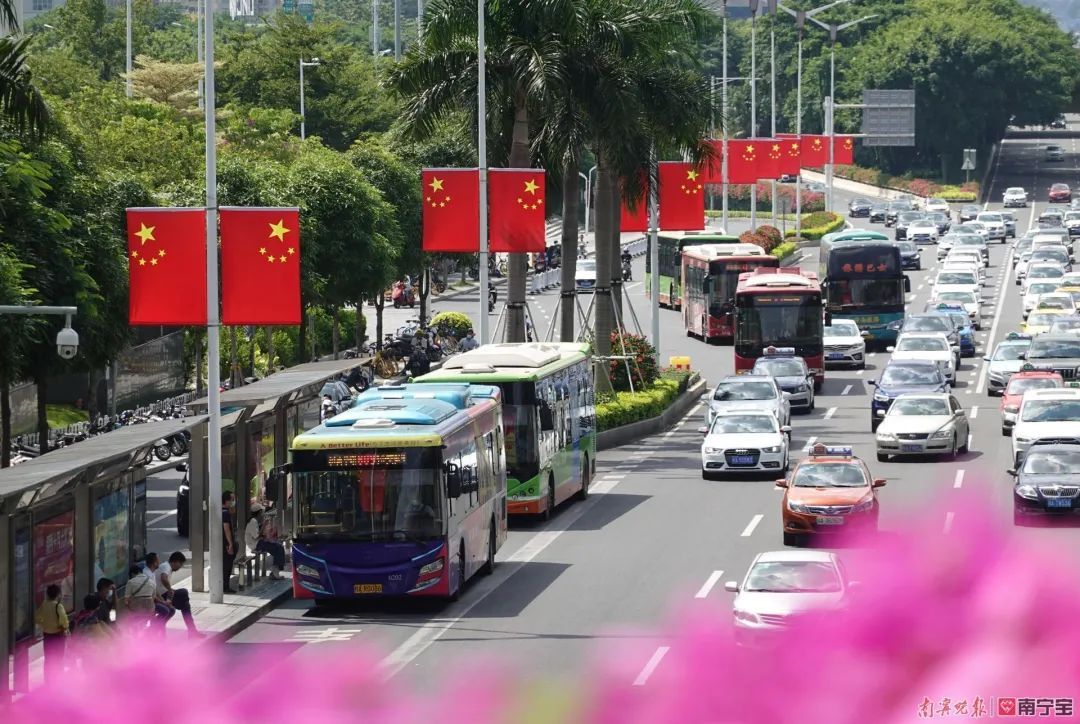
(175, 85)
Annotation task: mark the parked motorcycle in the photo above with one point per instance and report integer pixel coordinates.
(403, 296)
(162, 451)
(493, 296)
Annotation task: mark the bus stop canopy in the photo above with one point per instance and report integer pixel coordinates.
(293, 383)
(122, 449)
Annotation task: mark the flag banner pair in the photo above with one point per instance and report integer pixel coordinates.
(815, 149)
(516, 210)
(260, 266)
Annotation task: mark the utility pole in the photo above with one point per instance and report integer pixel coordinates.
(481, 148)
(724, 123)
(772, 94)
(397, 29)
(753, 102)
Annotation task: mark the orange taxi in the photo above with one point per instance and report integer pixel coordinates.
(829, 491)
(1029, 377)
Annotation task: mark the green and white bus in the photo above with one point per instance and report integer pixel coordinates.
(669, 246)
(549, 417)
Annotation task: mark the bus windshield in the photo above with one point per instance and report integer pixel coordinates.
(850, 293)
(778, 319)
(725, 279)
(370, 494)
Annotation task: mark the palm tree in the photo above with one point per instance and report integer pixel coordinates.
(21, 103)
(438, 79)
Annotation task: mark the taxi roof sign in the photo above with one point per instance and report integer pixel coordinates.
(779, 351)
(832, 450)
(1017, 335)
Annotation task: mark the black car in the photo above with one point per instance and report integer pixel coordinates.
(878, 212)
(904, 220)
(898, 377)
(859, 207)
(1048, 481)
(969, 212)
(909, 255)
(1057, 123)
(895, 209)
(942, 221)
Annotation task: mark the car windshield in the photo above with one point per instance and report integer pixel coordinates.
(1022, 385)
(963, 297)
(841, 330)
(1042, 288)
(1045, 272)
(744, 391)
(1055, 254)
(1070, 215)
(1054, 349)
(1052, 462)
(1065, 325)
(907, 247)
(922, 344)
(927, 324)
(1006, 352)
(586, 265)
(1014, 190)
(1040, 320)
(829, 475)
(792, 577)
(1049, 302)
(779, 368)
(992, 218)
(744, 424)
(967, 278)
(919, 406)
(902, 375)
(1051, 411)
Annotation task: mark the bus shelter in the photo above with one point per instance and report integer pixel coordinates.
(259, 422)
(69, 518)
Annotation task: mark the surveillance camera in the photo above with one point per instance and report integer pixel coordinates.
(67, 343)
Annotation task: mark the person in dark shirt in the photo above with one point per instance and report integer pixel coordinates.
(228, 500)
(106, 595)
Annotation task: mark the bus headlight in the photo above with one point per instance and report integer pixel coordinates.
(432, 568)
(307, 571)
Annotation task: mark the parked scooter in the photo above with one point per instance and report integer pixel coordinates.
(403, 296)
(493, 297)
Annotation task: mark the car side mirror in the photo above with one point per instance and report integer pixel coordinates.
(706, 397)
(890, 349)
(872, 383)
(731, 587)
(182, 467)
(786, 429)
(879, 483)
(787, 395)
(781, 483)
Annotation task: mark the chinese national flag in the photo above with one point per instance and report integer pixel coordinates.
(815, 151)
(451, 201)
(792, 145)
(516, 210)
(682, 198)
(769, 165)
(844, 151)
(260, 266)
(636, 219)
(166, 266)
(744, 156)
(712, 171)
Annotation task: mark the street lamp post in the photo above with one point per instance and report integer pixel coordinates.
(753, 102)
(304, 64)
(481, 152)
(723, 122)
(397, 29)
(127, 52)
(588, 189)
(199, 11)
(588, 192)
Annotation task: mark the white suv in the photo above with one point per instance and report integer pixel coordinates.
(1014, 196)
(994, 223)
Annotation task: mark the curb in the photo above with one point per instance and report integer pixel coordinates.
(626, 434)
(255, 614)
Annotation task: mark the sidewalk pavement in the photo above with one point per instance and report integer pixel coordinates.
(219, 621)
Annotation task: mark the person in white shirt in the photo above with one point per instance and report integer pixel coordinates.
(139, 599)
(256, 541)
(177, 599)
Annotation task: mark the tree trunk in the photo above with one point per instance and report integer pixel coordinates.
(5, 422)
(252, 340)
(615, 234)
(424, 278)
(568, 303)
(301, 341)
(335, 333)
(42, 384)
(270, 366)
(234, 357)
(603, 322)
(517, 264)
(199, 391)
(93, 378)
(380, 302)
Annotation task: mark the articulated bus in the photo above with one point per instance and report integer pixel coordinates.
(403, 494)
(549, 417)
(779, 308)
(710, 274)
(863, 281)
(670, 245)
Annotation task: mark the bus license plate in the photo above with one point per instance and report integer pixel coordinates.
(367, 588)
(1059, 502)
(830, 520)
(742, 459)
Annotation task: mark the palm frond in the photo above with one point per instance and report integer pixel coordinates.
(20, 102)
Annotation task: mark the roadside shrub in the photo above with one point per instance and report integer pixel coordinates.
(918, 186)
(815, 226)
(624, 408)
(457, 322)
(752, 237)
(643, 367)
(772, 234)
(784, 250)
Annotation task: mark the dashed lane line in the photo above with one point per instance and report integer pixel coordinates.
(997, 320)
(948, 522)
(829, 413)
(651, 664)
(958, 481)
(846, 390)
(749, 530)
(709, 584)
(974, 412)
(809, 443)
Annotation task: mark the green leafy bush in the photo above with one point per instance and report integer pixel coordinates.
(771, 233)
(624, 408)
(456, 322)
(784, 250)
(643, 367)
(817, 225)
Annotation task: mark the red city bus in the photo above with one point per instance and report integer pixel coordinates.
(710, 275)
(779, 308)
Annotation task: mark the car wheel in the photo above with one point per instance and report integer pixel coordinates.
(1018, 518)
(546, 515)
(1006, 431)
(583, 494)
(882, 458)
(794, 539)
(955, 449)
(461, 573)
(489, 564)
(813, 402)
(965, 448)
(874, 425)
(706, 475)
(787, 464)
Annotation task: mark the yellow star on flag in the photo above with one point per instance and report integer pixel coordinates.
(270, 258)
(153, 262)
(161, 252)
(531, 186)
(135, 254)
(691, 175)
(436, 184)
(142, 262)
(278, 230)
(145, 233)
(281, 259)
(292, 250)
(262, 250)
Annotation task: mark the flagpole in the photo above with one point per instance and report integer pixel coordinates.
(654, 251)
(481, 151)
(213, 353)
(723, 122)
(772, 94)
(798, 131)
(753, 104)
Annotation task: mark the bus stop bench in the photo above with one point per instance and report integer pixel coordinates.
(251, 567)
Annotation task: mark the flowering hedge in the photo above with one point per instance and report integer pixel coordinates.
(921, 187)
(643, 367)
(815, 226)
(739, 197)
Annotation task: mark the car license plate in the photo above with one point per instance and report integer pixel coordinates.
(1059, 502)
(830, 520)
(742, 459)
(835, 355)
(367, 588)
(911, 448)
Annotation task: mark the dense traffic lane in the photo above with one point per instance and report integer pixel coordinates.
(655, 536)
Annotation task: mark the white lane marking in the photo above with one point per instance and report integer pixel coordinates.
(749, 530)
(809, 443)
(846, 390)
(614, 476)
(651, 664)
(974, 412)
(958, 481)
(831, 411)
(948, 522)
(993, 328)
(707, 588)
(858, 373)
(970, 438)
(159, 518)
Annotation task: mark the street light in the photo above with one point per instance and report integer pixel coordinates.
(833, 29)
(753, 103)
(127, 52)
(800, 23)
(314, 62)
(587, 190)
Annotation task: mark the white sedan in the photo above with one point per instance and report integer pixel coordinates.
(744, 441)
(1045, 413)
(1014, 196)
(923, 231)
(923, 423)
(937, 205)
(1042, 271)
(968, 300)
(957, 281)
(929, 346)
(995, 224)
(979, 228)
(844, 344)
(1035, 292)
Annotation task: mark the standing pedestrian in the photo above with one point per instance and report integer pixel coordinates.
(53, 620)
(228, 501)
(256, 541)
(106, 596)
(469, 342)
(178, 598)
(139, 599)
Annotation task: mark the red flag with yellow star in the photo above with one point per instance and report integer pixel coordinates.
(815, 151)
(166, 266)
(682, 197)
(516, 210)
(260, 266)
(744, 158)
(844, 151)
(451, 202)
(772, 158)
(792, 156)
